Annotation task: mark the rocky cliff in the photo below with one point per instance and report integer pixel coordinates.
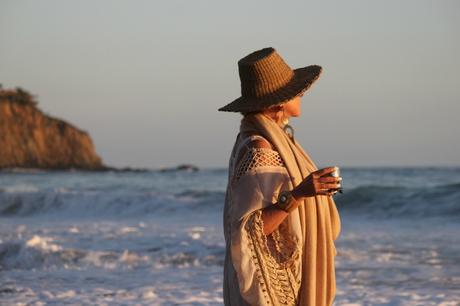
(31, 139)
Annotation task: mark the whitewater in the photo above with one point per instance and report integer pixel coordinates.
(155, 238)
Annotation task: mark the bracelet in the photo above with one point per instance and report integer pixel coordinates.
(286, 201)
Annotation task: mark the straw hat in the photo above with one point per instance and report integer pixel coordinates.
(266, 80)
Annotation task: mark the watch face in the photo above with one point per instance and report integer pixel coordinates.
(283, 198)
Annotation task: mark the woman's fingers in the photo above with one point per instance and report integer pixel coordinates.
(329, 186)
(318, 184)
(322, 188)
(329, 179)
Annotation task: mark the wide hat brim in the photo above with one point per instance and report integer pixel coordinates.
(301, 81)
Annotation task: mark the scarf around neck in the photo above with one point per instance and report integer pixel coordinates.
(318, 215)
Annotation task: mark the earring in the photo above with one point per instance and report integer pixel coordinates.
(285, 119)
(288, 129)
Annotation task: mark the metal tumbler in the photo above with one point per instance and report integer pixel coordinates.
(336, 173)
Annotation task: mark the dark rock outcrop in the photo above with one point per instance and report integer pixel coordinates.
(31, 139)
(182, 167)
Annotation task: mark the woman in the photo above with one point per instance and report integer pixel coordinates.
(280, 221)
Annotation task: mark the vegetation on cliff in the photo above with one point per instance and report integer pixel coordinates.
(31, 139)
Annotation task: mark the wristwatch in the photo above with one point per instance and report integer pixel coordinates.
(286, 201)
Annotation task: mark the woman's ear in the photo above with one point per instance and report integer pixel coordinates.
(281, 111)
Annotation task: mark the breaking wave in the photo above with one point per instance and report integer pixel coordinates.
(96, 203)
(389, 201)
(393, 201)
(44, 252)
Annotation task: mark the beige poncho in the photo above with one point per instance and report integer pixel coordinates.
(295, 264)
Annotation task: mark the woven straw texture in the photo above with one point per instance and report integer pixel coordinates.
(267, 80)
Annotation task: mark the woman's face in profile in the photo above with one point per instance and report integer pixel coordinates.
(293, 107)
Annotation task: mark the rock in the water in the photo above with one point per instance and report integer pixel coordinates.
(183, 167)
(31, 139)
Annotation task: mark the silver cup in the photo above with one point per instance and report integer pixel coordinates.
(336, 173)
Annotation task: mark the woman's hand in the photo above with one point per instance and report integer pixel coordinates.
(317, 183)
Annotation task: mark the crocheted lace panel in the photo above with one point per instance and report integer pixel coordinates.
(255, 158)
(276, 258)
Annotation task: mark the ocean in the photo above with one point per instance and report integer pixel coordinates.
(155, 238)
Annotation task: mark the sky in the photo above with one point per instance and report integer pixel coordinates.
(145, 78)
